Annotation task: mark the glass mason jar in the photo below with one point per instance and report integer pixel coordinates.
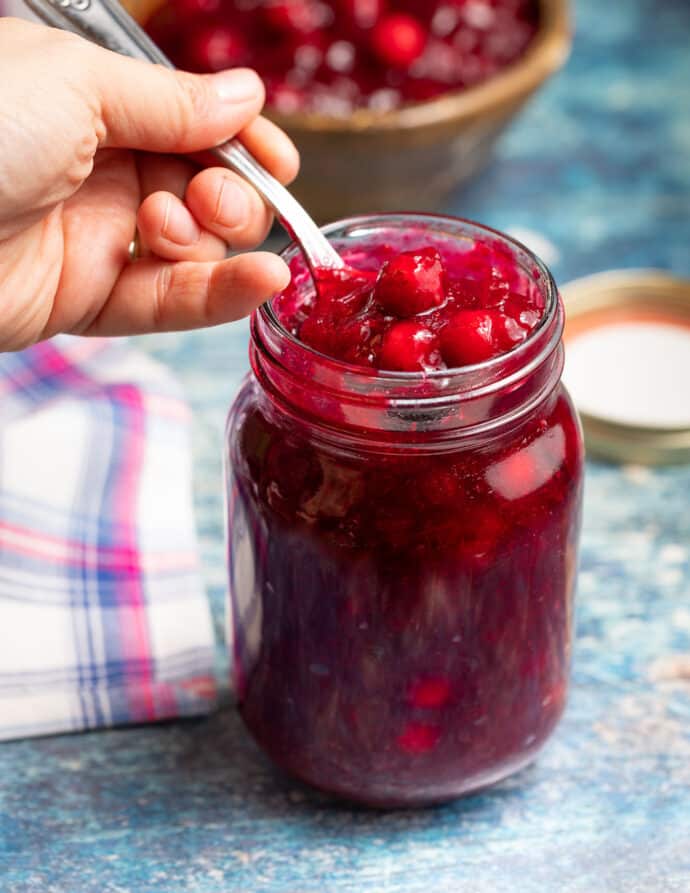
(402, 550)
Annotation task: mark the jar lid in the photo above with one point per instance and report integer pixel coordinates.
(627, 367)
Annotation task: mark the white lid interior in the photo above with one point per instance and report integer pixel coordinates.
(634, 372)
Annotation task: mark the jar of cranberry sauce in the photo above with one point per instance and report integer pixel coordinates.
(403, 546)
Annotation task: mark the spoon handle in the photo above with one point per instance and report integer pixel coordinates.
(105, 22)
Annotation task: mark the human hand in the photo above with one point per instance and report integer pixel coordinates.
(87, 153)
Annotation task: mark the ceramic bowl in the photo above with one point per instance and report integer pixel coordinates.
(411, 158)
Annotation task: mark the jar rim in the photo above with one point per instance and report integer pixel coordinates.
(457, 374)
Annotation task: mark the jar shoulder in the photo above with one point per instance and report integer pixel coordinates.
(510, 478)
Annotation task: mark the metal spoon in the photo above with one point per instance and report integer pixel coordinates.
(105, 22)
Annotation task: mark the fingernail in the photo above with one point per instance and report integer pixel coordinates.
(237, 85)
(179, 226)
(232, 207)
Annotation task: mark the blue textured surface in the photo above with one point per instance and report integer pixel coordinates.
(599, 166)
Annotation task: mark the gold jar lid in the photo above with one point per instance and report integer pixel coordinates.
(627, 344)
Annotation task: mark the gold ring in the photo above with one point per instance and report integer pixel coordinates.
(134, 247)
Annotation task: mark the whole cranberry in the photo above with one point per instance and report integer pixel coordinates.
(398, 40)
(408, 346)
(215, 47)
(471, 336)
(411, 283)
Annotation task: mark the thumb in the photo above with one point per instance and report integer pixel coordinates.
(155, 109)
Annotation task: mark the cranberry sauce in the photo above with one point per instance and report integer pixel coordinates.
(403, 548)
(420, 311)
(333, 56)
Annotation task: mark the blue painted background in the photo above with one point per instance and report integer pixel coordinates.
(594, 175)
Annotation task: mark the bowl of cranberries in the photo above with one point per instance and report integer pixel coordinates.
(392, 103)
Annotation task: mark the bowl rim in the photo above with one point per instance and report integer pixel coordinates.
(546, 53)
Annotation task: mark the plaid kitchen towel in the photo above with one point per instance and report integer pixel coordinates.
(103, 618)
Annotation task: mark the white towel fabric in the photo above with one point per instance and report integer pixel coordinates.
(103, 617)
